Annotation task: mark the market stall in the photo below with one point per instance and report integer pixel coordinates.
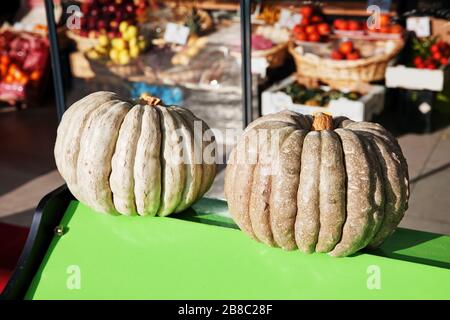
(316, 74)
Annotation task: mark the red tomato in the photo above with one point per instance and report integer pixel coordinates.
(434, 48)
(298, 29)
(431, 66)
(418, 60)
(301, 36)
(311, 29)
(305, 22)
(340, 24)
(354, 25)
(444, 61)
(314, 37)
(306, 11)
(323, 29)
(437, 56)
(354, 55)
(4, 59)
(384, 20)
(395, 29)
(336, 55)
(316, 19)
(346, 47)
(35, 75)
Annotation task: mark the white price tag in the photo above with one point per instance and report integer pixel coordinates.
(288, 18)
(259, 66)
(420, 25)
(176, 33)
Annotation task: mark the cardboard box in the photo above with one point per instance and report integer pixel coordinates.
(416, 79)
(274, 100)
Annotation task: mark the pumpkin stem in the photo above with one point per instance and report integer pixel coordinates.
(322, 121)
(150, 100)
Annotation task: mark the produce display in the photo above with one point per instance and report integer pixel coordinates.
(119, 156)
(23, 59)
(346, 51)
(312, 27)
(317, 184)
(121, 49)
(104, 16)
(430, 53)
(316, 96)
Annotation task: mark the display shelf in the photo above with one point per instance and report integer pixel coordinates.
(190, 255)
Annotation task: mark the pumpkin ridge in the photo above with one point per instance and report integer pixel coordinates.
(331, 192)
(307, 224)
(243, 179)
(358, 223)
(90, 117)
(376, 186)
(147, 164)
(284, 186)
(193, 170)
(72, 125)
(259, 206)
(123, 162)
(172, 195)
(102, 144)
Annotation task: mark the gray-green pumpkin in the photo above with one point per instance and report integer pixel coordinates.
(117, 156)
(324, 184)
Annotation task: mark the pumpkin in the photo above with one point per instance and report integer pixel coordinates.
(141, 158)
(319, 184)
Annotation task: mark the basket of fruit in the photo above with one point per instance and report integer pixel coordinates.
(118, 55)
(104, 17)
(312, 28)
(270, 43)
(348, 63)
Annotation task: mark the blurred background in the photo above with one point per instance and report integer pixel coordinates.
(383, 61)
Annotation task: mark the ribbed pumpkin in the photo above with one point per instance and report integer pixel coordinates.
(117, 156)
(317, 183)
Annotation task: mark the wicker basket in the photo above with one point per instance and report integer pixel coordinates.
(125, 71)
(83, 43)
(275, 56)
(344, 73)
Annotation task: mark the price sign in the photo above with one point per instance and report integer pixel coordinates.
(420, 25)
(176, 33)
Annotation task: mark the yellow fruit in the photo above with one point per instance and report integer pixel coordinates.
(142, 45)
(123, 26)
(101, 50)
(114, 55)
(134, 52)
(132, 42)
(119, 44)
(124, 57)
(132, 31)
(103, 40)
(92, 54)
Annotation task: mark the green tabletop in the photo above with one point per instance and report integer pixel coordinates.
(200, 254)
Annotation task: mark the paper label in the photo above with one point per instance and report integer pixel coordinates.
(176, 33)
(259, 66)
(420, 25)
(289, 18)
